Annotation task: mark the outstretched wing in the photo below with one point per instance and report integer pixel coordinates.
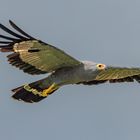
(31, 55)
(116, 74)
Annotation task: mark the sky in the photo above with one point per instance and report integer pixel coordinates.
(98, 30)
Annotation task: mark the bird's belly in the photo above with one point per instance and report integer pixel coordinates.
(72, 76)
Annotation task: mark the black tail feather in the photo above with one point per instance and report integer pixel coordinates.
(21, 93)
(26, 96)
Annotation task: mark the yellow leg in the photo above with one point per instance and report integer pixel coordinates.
(43, 93)
(52, 88)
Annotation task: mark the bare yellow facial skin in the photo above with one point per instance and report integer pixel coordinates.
(101, 66)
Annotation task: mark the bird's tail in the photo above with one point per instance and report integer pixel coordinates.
(33, 92)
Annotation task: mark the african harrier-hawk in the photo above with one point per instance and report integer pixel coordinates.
(37, 57)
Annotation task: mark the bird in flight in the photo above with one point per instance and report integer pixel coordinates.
(36, 57)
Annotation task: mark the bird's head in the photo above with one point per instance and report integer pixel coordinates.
(89, 65)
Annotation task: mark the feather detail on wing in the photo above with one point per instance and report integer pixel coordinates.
(31, 55)
(114, 75)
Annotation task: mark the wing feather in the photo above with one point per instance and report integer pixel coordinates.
(31, 55)
(116, 75)
(111, 73)
(20, 30)
(4, 28)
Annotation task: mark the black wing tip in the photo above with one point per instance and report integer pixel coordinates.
(22, 36)
(10, 21)
(6, 45)
(20, 30)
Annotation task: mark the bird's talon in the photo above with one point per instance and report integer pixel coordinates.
(48, 91)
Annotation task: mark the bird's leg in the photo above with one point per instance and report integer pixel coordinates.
(49, 90)
(43, 93)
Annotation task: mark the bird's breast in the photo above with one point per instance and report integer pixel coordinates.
(73, 75)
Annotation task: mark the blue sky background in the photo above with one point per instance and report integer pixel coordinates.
(102, 31)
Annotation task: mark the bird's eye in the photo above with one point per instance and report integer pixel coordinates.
(101, 66)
